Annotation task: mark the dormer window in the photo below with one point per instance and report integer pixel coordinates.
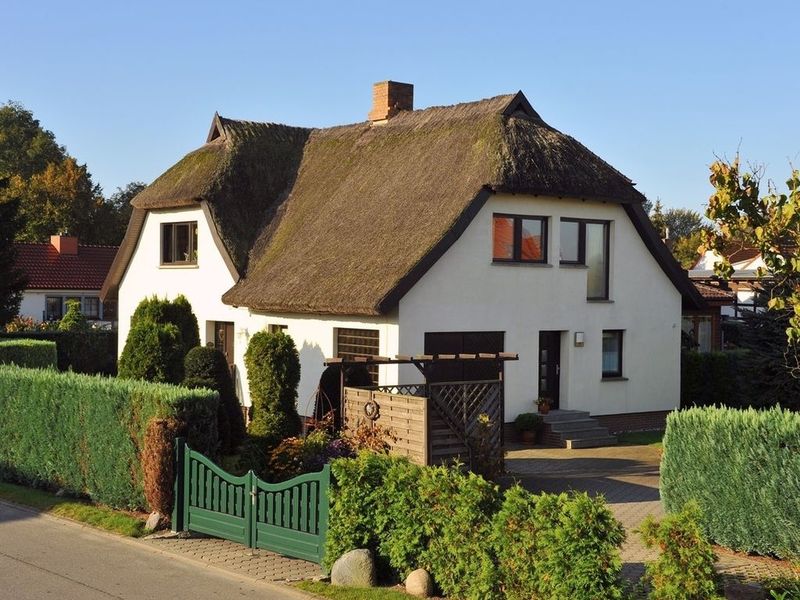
(179, 243)
(519, 238)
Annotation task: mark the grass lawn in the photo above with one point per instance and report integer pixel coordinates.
(641, 438)
(102, 517)
(326, 590)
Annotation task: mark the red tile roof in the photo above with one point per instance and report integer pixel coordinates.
(47, 269)
(743, 254)
(713, 292)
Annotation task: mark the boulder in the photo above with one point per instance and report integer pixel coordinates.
(419, 583)
(155, 521)
(744, 591)
(355, 568)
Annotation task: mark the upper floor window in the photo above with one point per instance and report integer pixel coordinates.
(587, 243)
(518, 238)
(179, 243)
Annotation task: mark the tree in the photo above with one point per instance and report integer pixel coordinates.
(770, 223)
(12, 280)
(682, 222)
(56, 193)
(686, 250)
(657, 219)
(113, 215)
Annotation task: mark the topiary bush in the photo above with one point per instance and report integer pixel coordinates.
(74, 320)
(162, 333)
(742, 467)
(207, 367)
(34, 354)
(152, 352)
(474, 542)
(685, 567)
(91, 352)
(86, 434)
(273, 372)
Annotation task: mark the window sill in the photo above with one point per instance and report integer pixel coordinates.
(511, 263)
(179, 266)
(573, 266)
(598, 301)
(614, 379)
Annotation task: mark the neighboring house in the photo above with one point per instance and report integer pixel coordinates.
(64, 270)
(744, 283)
(703, 326)
(466, 228)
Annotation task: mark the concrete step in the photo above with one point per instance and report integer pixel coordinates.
(596, 442)
(565, 415)
(576, 425)
(585, 434)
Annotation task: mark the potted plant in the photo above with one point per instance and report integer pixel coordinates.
(528, 424)
(543, 404)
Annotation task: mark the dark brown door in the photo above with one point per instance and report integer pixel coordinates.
(464, 342)
(550, 365)
(223, 341)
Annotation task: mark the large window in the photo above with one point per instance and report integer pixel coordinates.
(53, 308)
(586, 243)
(358, 342)
(91, 307)
(519, 239)
(698, 329)
(179, 243)
(612, 353)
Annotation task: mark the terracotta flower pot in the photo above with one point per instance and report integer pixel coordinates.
(528, 437)
(544, 408)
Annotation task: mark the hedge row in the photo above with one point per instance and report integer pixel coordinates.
(91, 352)
(714, 378)
(743, 469)
(86, 434)
(35, 354)
(475, 542)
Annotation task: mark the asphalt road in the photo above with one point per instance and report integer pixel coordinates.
(43, 557)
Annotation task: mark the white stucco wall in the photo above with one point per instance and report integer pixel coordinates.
(204, 285)
(465, 291)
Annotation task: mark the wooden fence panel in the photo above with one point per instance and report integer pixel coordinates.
(404, 415)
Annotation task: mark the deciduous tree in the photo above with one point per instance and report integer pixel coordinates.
(12, 280)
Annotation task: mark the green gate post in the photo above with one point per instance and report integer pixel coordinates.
(251, 491)
(178, 515)
(324, 506)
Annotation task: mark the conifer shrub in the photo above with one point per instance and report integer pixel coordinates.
(177, 311)
(742, 468)
(684, 569)
(91, 352)
(158, 463)
(475, 542)
(207, 367)
(152, 352)
(85, 434)
(34, 354)
(273, 372)
(74, 320)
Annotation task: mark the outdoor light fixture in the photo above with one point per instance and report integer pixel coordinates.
(578, 339)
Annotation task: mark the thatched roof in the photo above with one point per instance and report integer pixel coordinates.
(344, 220)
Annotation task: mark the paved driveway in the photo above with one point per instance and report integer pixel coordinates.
(628, 477)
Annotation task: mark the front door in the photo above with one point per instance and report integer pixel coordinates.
(549, 365)
(223, 341)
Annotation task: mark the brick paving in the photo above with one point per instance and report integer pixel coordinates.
(628, 477)
(256, 564)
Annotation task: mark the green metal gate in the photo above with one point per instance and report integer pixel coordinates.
(290, 518)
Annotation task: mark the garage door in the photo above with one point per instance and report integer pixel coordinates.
(463, 342)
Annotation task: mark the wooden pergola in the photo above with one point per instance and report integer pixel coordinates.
(430, 416)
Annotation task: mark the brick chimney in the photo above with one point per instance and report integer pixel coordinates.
(64, 244)
(389, 98)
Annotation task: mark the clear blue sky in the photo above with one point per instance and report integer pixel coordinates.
(655, 88)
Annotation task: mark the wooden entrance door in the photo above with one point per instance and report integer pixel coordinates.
(550, 366)
(464, 342)
(223, 341)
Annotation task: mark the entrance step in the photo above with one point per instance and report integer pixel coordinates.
(575, 429)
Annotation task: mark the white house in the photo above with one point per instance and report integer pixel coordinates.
(467, 228)
(64, 270)
(745, 282)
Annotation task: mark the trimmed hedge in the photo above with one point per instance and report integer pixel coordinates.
(91, 352)
(475, 542)
(714, 378)
(34, 354)
(86, 434)
(742, 467)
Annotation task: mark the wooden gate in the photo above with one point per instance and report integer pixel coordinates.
(289, 518)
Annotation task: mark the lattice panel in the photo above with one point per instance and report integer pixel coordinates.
(404, 389)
